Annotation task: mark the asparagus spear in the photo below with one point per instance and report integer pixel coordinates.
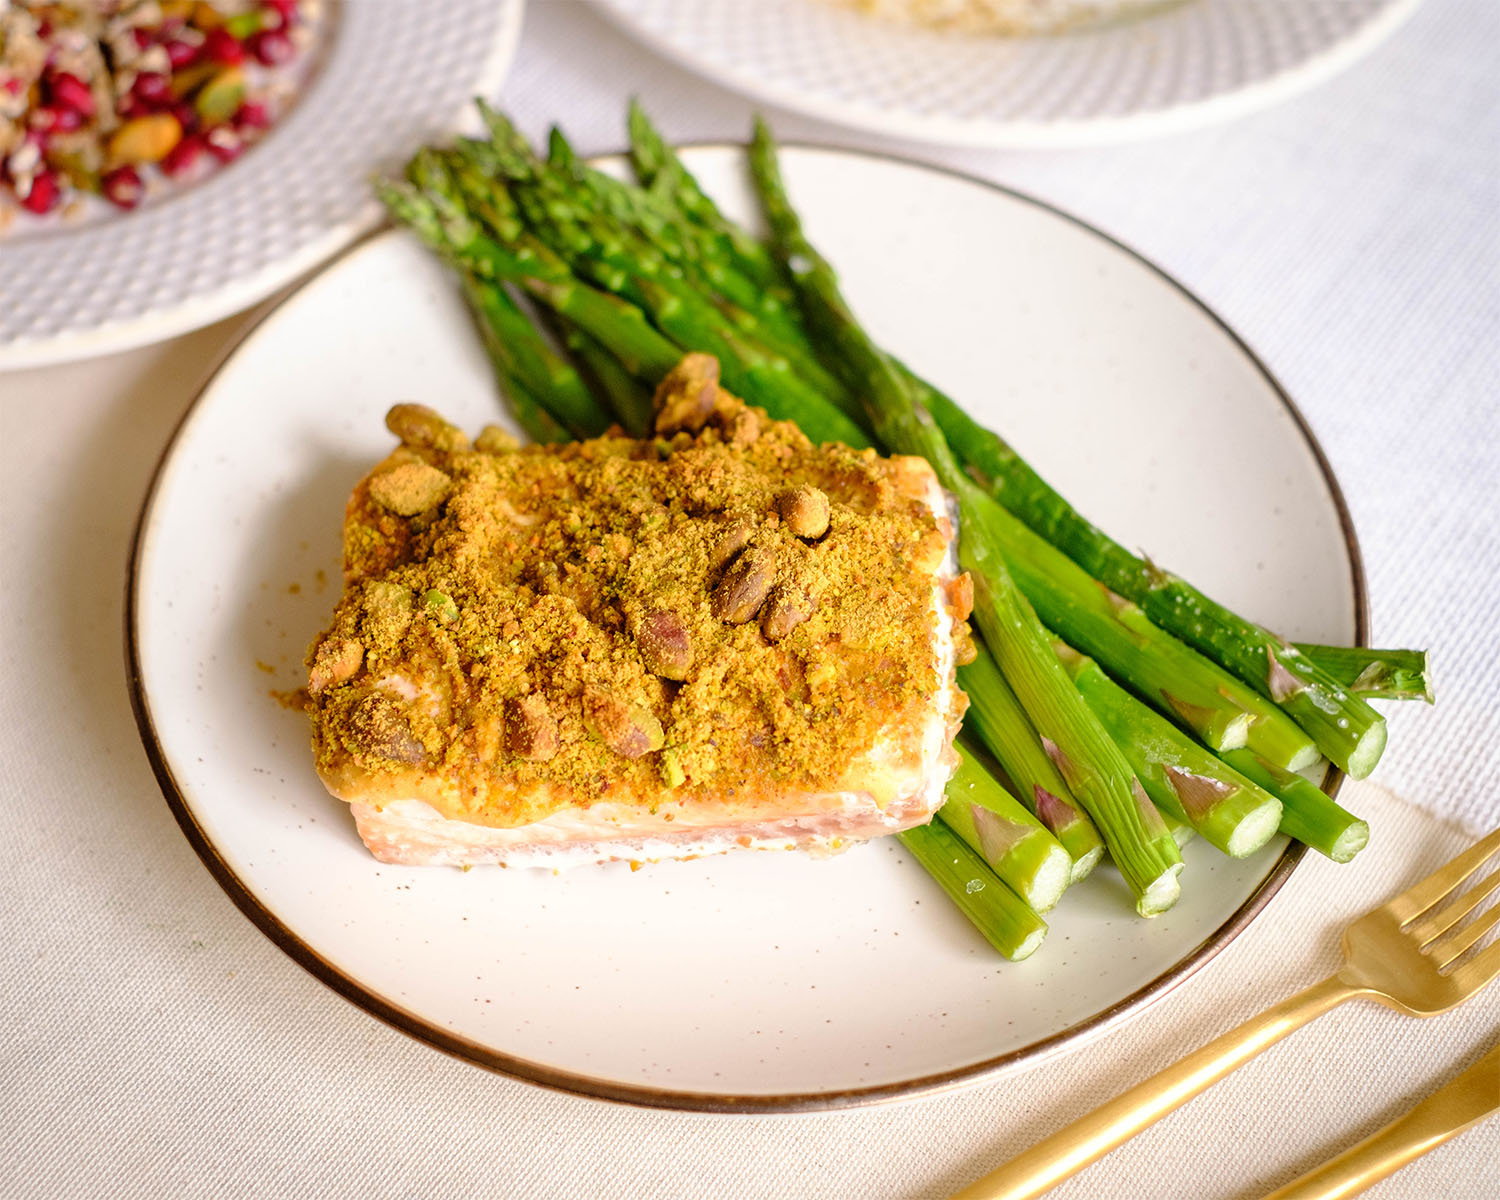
(1374, 674)
(996, 716)
(996, 911)
(1017, 847)
(1308, 813)
(1095, 770)
(520, 353)
(1204, 697)
(659, 168)
(616, 255)
(1180, 776)
(629, 399)
(1346, 728)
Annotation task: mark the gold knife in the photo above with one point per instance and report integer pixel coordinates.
(1463, 1102)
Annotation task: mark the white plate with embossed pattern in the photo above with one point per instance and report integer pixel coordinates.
(745, 982)
(388, 75)
(1187, 64)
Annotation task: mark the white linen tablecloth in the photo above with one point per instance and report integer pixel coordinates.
(154, 1043)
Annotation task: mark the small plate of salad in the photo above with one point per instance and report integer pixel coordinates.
(164, 163)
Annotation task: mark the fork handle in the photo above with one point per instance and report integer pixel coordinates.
(1095, 1134)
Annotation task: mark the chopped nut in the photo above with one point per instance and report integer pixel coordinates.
(744, 587)
(961, 597)
(964, 650)
(410, 488)
(418, 426)
(729, 543)
(388, 609)
(671, 768)
(336, 661)
(787, 608)
(805, 511)
(531, 729)
(666, 649)
(440, 606)
(629, 728)
(380, 730)
(685, 398)
(743, 427)
(494, 440)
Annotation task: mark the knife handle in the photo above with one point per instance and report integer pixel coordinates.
(1463, 1102)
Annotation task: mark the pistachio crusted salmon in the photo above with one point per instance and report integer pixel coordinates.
(721, 636)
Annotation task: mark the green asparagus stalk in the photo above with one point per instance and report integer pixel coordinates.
(628, 398)
(1017, 847)
(1308, 813)
(997, 912)
(1096, 771)
(659, 168)
(1374, 674)
(1205, 698)
(519, 352)
(619, 258)
(1345, 727)
(996, 717)
(1180, 776)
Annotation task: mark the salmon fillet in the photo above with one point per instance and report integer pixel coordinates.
(723, 637)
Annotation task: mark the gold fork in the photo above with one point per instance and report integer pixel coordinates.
(1409, 954)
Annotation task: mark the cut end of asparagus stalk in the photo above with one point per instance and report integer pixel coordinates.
(1354, 838)
(1161, 893)
(1366, 753)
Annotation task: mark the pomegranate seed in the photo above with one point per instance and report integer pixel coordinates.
(221, 46)
(44, 195)
(153, 89)
(13, 85)
(141, 37)
(224, 143)
(71, 92)
(52, 118)
(122, 187)
(182, 156)
(187, 116)
(181, 54)
(253, 114)
(272, 47)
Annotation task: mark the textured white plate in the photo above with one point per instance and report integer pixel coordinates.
(1184, 66)
(752, 980)
(391, 75)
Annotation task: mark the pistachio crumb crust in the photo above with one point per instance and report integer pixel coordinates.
(724, 613)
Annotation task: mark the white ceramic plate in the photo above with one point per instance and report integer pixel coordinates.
(752, 981)
(1187, 65)
(389, 76)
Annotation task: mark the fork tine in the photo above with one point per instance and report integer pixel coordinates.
(1445, 917)
(1418, 898)
(1448, 947)
(1478, 971)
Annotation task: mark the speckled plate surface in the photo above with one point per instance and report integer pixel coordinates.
(763, 981)
(1188, 64)
(389, 75)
